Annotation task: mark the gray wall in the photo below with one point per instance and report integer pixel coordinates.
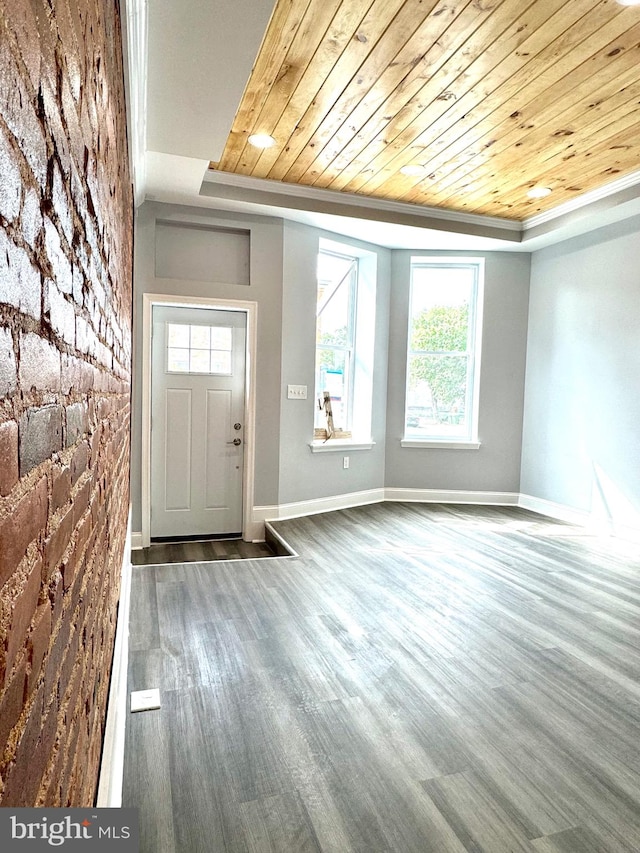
(581, 439)
(580, 442)
(496, 465)
(282, 280)
(266, 245)
(305, 475)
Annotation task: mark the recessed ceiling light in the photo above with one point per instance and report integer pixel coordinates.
(261, 140)
(413, 170)
(539, 192)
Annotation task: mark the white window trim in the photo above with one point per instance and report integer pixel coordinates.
(363, 352)
(444, 444)
(335, 444)
(472, 442)
(349, 350)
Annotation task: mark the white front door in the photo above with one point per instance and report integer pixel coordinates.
(197, 421)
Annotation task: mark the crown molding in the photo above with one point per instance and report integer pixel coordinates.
(287, 192)
(604, 193)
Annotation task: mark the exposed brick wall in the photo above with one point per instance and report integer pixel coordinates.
(65, 355)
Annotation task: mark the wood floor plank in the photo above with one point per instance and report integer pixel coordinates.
(421, 678)
(162, 553)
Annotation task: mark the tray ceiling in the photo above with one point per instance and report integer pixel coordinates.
(489, 97)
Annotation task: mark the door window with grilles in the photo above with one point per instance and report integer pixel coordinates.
(199, 349)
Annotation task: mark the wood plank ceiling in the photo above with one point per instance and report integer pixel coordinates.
(489, 97)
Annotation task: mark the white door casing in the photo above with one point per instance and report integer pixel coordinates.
(198, 421)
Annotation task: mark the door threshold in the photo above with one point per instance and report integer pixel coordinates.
(199, 537)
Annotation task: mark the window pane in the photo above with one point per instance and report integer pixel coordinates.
(333, 317)
(177, 335)
(443, 353)
(178, 360)
(221, 337)
(335, 332)
(436, 395)
(440, 313)
(199, 361)
(332, 377)
(200, 337)
(221, 362)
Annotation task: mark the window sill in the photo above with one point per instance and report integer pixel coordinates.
(335, 444)
(430, 443)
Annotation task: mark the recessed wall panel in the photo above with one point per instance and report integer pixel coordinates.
(219, 454)
(202, 254)
(178, 449)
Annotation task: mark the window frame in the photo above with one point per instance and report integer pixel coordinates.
(364, 313)
(470, 440)
(349, 349)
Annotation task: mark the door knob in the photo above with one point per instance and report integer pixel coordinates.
(235, 441)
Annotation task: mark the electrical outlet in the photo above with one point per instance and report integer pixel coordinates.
(145, 700)
(345, 461)
(296, 392)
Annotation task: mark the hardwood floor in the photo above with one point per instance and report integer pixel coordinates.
(161, 553)
(421, 678)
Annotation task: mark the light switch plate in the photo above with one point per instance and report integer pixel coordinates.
(145, 700)
(296, 392)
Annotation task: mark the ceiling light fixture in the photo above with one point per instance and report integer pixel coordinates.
(629, 2)
(413, 170)
(539, 192)
(261, 140)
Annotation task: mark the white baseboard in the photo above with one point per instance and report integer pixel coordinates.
(594, 523)
(299, 508)
(112, 764)
(451, 496)
(561, 512)
(254, 531)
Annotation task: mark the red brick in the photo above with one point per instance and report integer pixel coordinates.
(23, 22)
(71, 696)
(56, 544)
(79, 462)
(39, 643)
(21, 780)
(8, 374)
(39, 364)
(61, 488)
(56, 596)
(57, 105)
(76, 423)
(70, 660)
(21, 528)
(20, 281)
(81, 502)
(11, 703)
(60, 313)
(54, 658)
(10, 187)
(23, 611)
(40, 436)
(9, 470)
(71, 373)
(83, 530)
(69, 569)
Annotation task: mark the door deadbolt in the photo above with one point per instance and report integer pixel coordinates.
(237, 426)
